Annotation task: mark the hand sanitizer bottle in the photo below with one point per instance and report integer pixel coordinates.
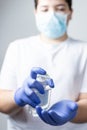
(45, 98)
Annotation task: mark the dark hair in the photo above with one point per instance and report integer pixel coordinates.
(69, 2)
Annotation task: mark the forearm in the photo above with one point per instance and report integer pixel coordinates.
(7, 103)
(82, 112)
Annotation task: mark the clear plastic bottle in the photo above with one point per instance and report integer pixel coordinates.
(45, 98)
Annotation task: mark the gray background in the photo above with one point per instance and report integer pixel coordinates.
(17, 21)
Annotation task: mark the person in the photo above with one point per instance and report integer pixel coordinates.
(54, 53)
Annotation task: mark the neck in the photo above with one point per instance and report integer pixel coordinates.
(58, 40)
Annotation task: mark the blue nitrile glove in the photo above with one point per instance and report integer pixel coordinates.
(26, 94)
(59, 114)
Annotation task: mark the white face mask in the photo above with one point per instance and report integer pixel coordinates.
(52, 24)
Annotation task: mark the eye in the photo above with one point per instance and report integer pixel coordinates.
(44, 10)
(60, 9)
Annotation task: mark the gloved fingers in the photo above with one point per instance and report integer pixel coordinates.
(46, 116)
(50, 83)
(37, 70)
(39, 112)
(32, 95)
(38, 86)
(59, 119)
(29, 101)
(34, 98)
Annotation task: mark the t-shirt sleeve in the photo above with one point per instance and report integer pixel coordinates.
(84, 74)
(8, 71)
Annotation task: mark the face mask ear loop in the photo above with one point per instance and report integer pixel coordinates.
(67, 15)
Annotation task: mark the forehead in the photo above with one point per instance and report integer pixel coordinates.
(51, 2)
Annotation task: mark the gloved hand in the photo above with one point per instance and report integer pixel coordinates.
(26, 94)
(59, 113)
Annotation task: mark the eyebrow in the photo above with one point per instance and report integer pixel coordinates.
(60, 5)
(63, 5)
(44, 6)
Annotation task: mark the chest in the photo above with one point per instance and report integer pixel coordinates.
(62, 66)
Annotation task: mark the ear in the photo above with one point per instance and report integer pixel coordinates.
(70, 15)
(35, 11)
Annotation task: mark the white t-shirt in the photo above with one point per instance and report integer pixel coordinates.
(65, 62)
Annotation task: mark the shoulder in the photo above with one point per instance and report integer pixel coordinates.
(23, 42)
(77, 49)
(77, 42)
(78, 45)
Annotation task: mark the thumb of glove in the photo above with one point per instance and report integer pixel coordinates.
(73, 106)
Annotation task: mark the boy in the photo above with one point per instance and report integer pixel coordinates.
(63, 58)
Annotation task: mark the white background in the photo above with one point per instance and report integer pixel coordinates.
(17, 21)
